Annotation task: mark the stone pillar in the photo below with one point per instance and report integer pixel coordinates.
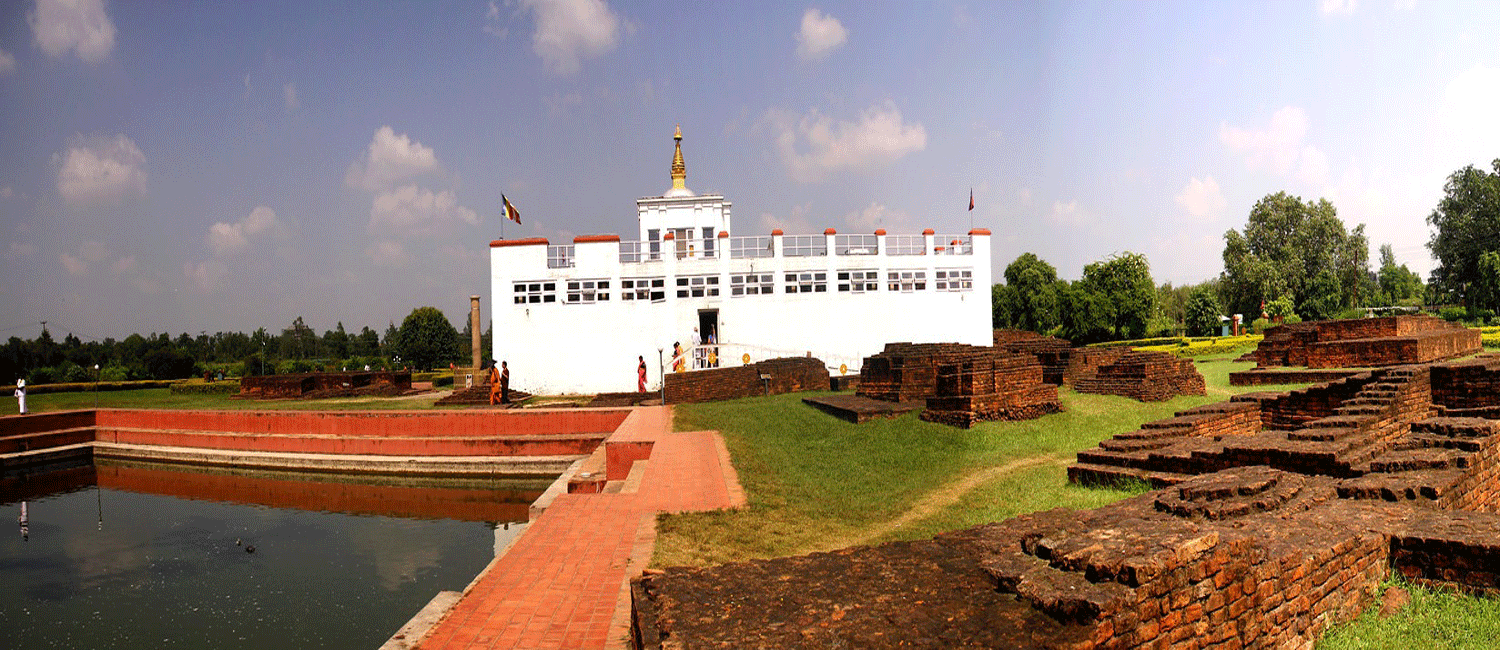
(476, 336)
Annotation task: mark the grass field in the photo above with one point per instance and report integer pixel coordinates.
(817, 483)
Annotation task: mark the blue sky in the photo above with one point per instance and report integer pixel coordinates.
(189, 167)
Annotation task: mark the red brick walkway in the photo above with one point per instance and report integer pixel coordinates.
(564, 583)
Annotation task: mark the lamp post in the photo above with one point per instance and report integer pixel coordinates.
(262, 357)
(96, 386)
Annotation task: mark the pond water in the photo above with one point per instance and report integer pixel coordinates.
(137, 556)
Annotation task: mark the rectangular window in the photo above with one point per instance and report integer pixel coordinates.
(861, 281)
(907, 281)
(697, 286)
(749, 247)
(751, 284)
(653, 289)
(807, 282)
(654, 235)
(805, 245)
(708, 241)
(953, 280)
(559, 257)
(535, 292)
(586, 292)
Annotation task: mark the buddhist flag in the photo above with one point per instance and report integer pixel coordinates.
(510, 210)
(971, 200)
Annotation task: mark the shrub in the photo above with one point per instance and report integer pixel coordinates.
(1259, 325)
(43, 375)
(200, 387)
(1452, 314)
(1352, 312)
(1481, 316)
(114, 372)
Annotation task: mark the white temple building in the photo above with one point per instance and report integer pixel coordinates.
(574, 317)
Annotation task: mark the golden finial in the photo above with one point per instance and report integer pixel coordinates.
(679, 168)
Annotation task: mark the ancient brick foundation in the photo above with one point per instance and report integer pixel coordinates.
(786, 375)
(1362, 342)
(989, 385)
(1145, 376)
(905, 372)
(324, 384)
(1053, 353)
(1277, 517)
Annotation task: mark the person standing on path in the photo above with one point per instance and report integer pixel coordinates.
(504, 383)
(640, 376)
(494, 380)
(21, 395)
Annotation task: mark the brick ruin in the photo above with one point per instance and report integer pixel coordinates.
(1277, 516)
(785, 375)
(325, 384)
(961, 385)
(1062, 364)
(990, 385)
(1144, 376)
(1365, 342)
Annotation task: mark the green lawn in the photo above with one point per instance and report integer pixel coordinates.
(814, 482)
(1436, 618)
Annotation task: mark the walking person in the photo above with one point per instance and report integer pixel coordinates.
(640, 376)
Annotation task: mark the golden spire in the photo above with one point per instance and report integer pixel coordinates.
(679, 169)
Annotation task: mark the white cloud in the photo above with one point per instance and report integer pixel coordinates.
(289, 95)
(78, 25)
(492, 24)
(876, 215)
(123, 265)
(390, 158)
(89, 252)
(18, 250)
(559, 103)
(1068, 214)
(814, 145)
(1330, 7)
(1202, 198)
(388, 253)
(100, 170)
(414, 208)
(1312, 166)
(1276, 147)
(7, 62)
(230, 238)
(568, 31)
(1466, 115)
(820, 35)
(7, 192)
(205, 275)
(74, 265)
(794, 223)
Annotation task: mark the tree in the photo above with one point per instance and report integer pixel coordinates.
(1203, 311)
(426, 339)
(1294, 249)
(1398, 284)
(1029, 299)
(1466, 224)
(1127, 296)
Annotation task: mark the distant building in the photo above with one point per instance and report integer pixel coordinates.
(573, 318)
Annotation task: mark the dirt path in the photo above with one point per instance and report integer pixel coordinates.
(943, 497)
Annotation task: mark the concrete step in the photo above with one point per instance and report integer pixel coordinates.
(379, 445)
(45, 439)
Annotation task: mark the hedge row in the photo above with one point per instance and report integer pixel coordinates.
(200, 387)
(85, 387)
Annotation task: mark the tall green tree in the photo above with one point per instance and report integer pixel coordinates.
(1466, 224)
(1296, 249)
(1398, 285)
(426, 339)
(1028, 300)
(1115, 299)
(1203, 311)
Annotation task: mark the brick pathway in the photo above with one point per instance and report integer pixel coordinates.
(565, 582)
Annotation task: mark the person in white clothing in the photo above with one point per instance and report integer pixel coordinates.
(21, 394)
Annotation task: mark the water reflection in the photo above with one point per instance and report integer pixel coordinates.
(137, 555)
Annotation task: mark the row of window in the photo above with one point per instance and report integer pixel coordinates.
(582, 292)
